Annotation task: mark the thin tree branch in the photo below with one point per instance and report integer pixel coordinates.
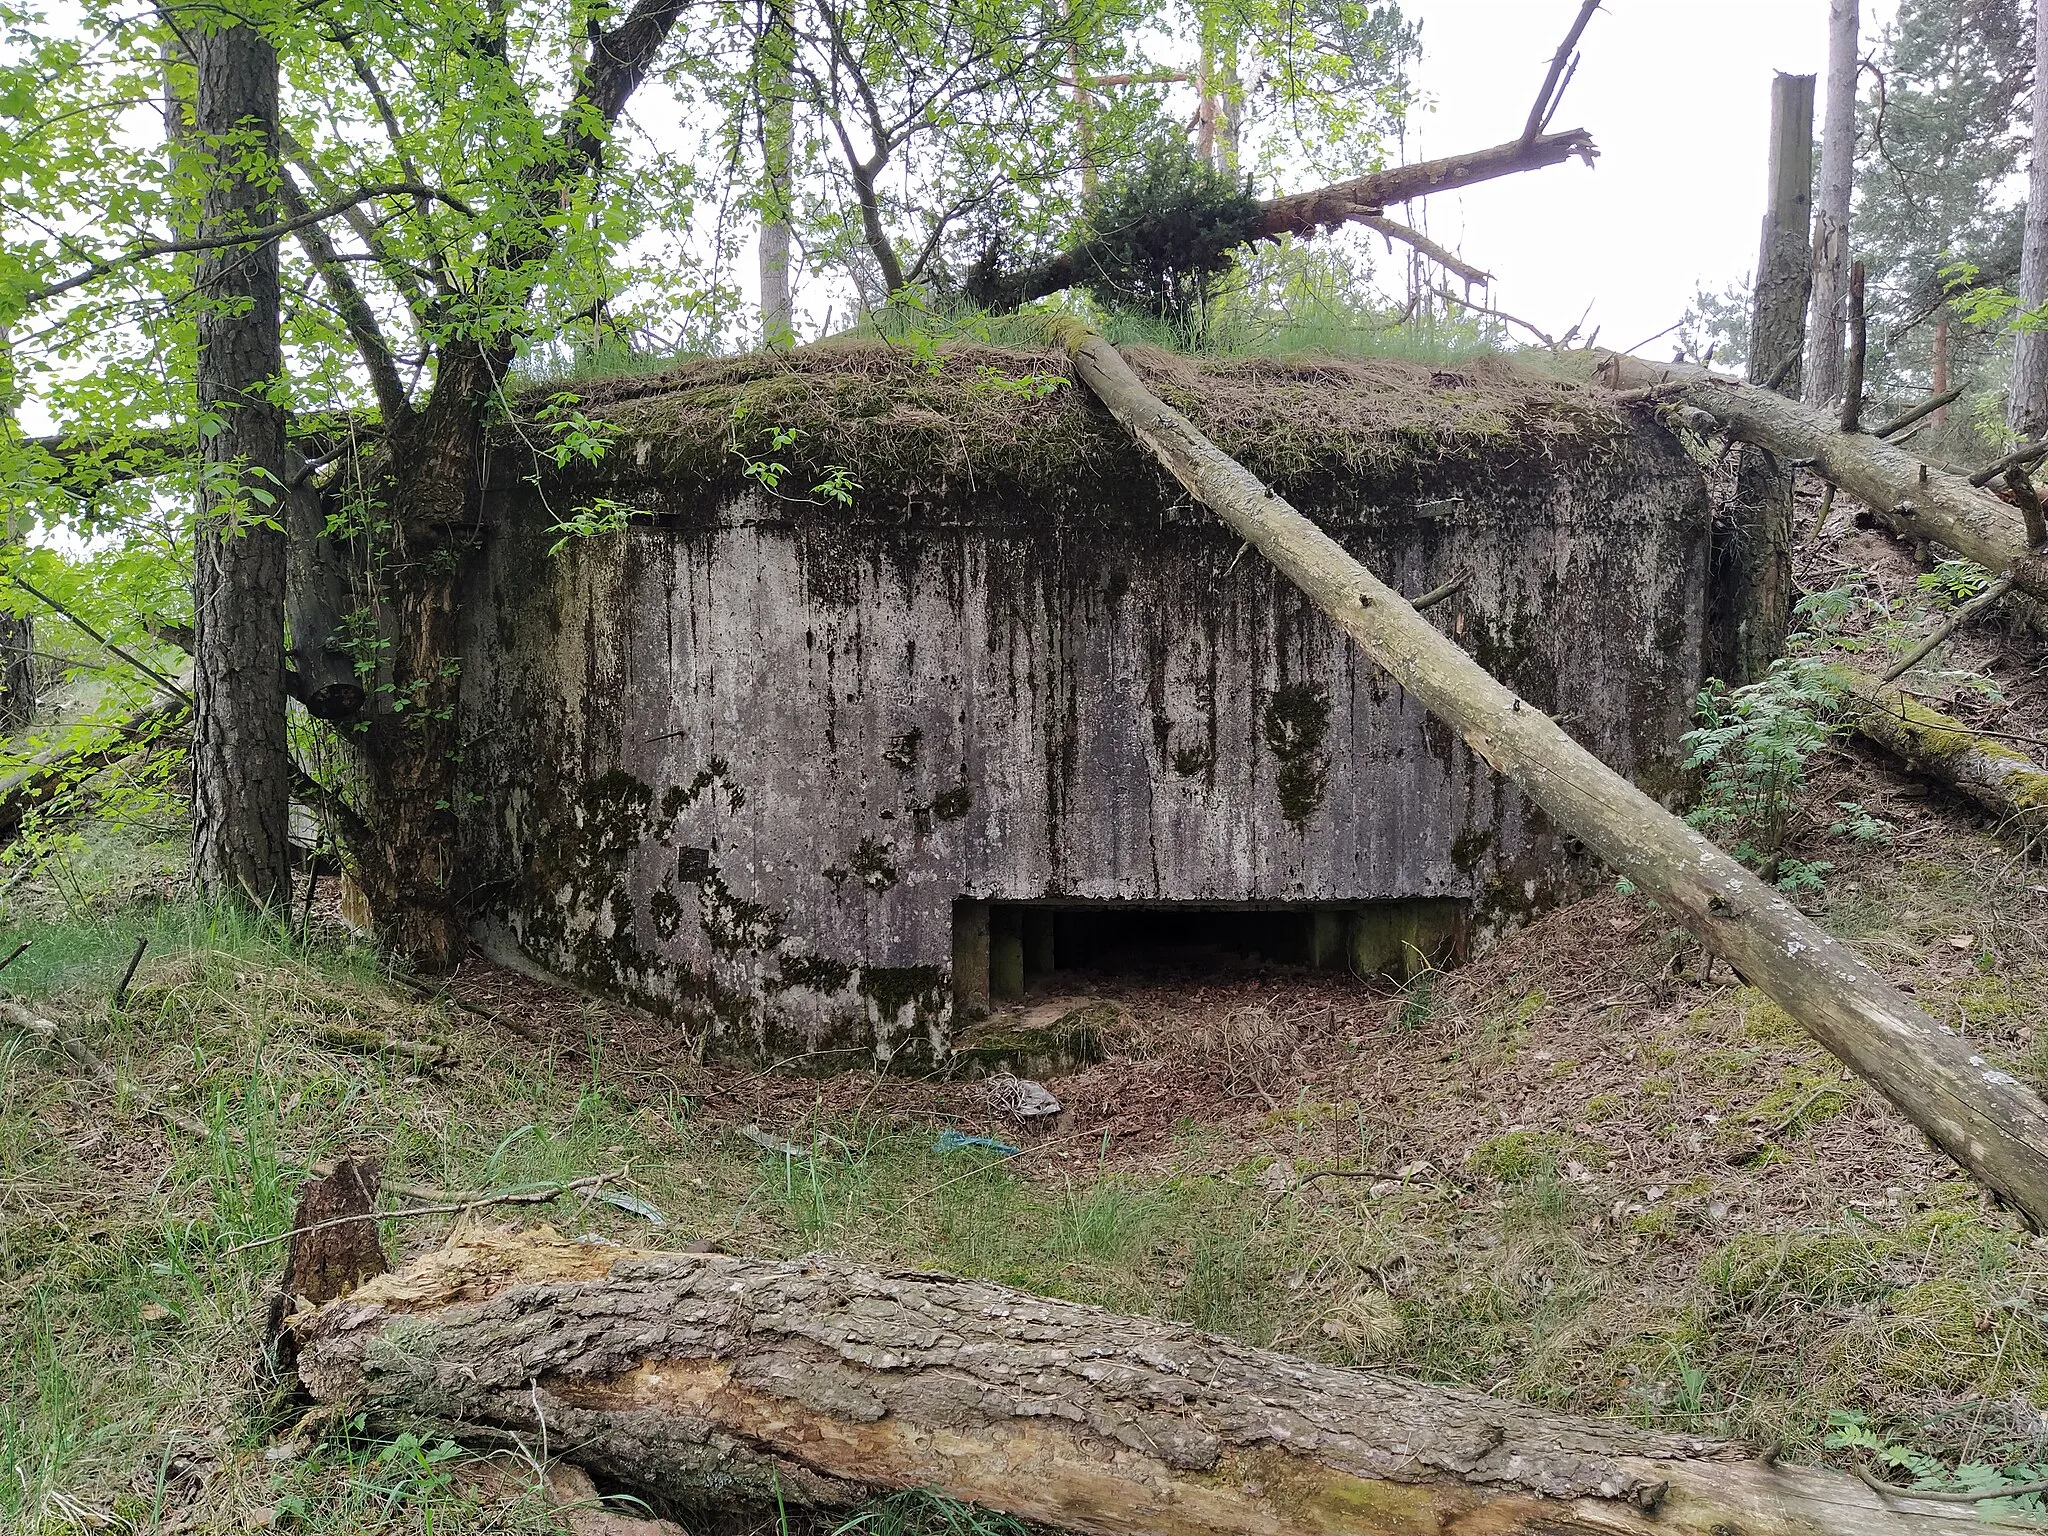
(1450, 262)
(1553, 91)
(150, 250)
(355, 311)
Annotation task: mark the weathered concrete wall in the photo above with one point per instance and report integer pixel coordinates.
(737, 762)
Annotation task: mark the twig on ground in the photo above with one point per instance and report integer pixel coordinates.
(1956, 621)
(59, 1035)
(1877, 1484)
(542, 1196)
(19, 950)
(121, 991)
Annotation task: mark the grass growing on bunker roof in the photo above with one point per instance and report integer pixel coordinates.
(939, 419)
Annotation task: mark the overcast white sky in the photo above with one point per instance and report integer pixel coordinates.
(1677, 95)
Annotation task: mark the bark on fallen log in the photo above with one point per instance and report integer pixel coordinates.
(1981, 1116)
(1919, 499)
(2001, 779)
(1344, 202)
(710, 1380)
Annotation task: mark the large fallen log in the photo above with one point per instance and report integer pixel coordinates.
(1928, 502)
(1978, 1113)
(2000, 778)
(708, 1380)
(1304, 213)
(48, 774)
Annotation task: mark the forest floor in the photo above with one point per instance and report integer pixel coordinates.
(1589, 1170)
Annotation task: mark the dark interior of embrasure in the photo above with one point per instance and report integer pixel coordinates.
(1003, 951)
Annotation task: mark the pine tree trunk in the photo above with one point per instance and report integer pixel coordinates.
(778, 147)
(1831, 212)
(1941, 348)
(1752, 536)
(241, 773)
(2026, 405)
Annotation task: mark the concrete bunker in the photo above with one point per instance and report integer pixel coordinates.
(905, 667)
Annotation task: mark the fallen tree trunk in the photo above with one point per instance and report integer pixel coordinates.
(1981, 1116)
(48, 774)
(1304, 213)
(1923, 501)
(706, 1379)
(2002, 780)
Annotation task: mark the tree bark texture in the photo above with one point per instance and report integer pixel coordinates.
(709, 1380)
(17, 631)
(2001, 779)
(778, 145)
(1344, 202)
(2026, 401)
(241, 771)
(1831, 254)
(318, 604)
(1752, 537)
(1931, 503)
(1979, 1114)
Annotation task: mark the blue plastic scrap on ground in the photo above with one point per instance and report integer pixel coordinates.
(960, 1141)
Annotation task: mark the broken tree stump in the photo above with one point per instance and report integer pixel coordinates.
(712, 1380)
(1981, 1115)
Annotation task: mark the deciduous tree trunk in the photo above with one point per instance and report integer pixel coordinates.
(1831, 213)
(241, 773)
(778, 145)
(2026, 405)
(1981, 1116)
(17, 631)
(1752, 539)
(709, 1380)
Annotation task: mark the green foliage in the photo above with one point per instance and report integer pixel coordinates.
(1941, 130)
(925, 1512)
(1162, 236)
(1753, 744)
(1953, 582)
(1852, 1430)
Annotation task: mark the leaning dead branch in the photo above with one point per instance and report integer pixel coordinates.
(1346, 202)
(1450, 261)
(1953, 623)
(45, 776)
(1983, 1117)
(1907, 492)
(721, 1380)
